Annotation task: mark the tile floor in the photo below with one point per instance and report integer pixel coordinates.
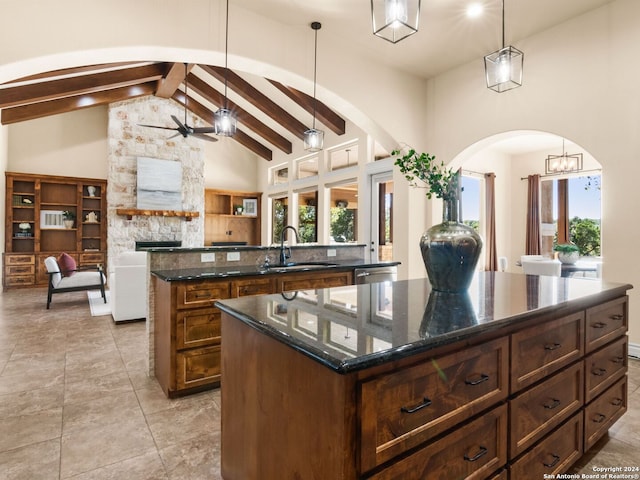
(75, 402)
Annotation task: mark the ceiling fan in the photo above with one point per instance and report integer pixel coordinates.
(183, 128)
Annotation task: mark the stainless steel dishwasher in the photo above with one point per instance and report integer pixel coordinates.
(376, 274)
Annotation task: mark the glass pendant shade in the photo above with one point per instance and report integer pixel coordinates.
(395, 20)
(503, 69)
(225, 122)
(313, 140)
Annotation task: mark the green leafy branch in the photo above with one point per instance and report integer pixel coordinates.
(419, 169)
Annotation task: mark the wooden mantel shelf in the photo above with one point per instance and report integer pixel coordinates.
(130, 212)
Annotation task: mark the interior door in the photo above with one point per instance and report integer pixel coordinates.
(381, 236)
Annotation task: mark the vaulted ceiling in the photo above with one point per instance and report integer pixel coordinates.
(270, 116)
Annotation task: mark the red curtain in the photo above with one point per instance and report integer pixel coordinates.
(533, 240)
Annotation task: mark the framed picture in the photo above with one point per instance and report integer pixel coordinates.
(250, 207)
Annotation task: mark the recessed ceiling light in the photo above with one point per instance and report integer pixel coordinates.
(474, 10)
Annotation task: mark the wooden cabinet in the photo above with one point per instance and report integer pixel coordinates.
(35, 225)
(187, 333)
(520, 402)
(223, 223)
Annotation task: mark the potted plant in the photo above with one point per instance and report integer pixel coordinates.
(451, 249)
(568, 253)
(68, 218)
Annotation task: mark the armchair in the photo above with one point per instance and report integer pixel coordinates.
(128, 286)
(74, 279)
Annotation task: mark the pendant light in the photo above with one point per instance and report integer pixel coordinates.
(395, 20)
(314, 139)
(224, 120)
(503, 68)
(565, 163)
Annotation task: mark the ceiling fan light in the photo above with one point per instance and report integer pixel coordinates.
(395, 20)
(313, 140)
(225, 122)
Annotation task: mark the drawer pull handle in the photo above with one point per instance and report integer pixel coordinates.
(598, 372)
(616, 402)
(553, 404)
(483, 378)
(203, 295)
(483, 451)
(618, 316)
(552, 346)
(425, 403)
(599, 418)
(599, 325)
(618, 360)
(556, 459)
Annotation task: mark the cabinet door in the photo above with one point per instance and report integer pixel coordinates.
(543, 349)
(604, 412)
(403, 409)
(197, 328)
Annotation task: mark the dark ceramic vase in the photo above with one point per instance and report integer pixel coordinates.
(447, 312)
(450, 250)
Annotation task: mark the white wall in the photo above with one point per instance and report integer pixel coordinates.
(579, 83)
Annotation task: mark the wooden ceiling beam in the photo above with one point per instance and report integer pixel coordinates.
(73, 70)
(207, 115)
(258, 99)
(244, 117)
(168, 85)
(55, 89)
(63, 105)
(324, 114)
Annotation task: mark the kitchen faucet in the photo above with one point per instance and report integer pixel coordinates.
(283, 254)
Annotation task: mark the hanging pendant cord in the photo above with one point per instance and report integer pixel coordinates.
(186, 83)
(226, 53)
(316, 26)
(503, 43)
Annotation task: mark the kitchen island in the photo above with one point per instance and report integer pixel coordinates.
(514, 379)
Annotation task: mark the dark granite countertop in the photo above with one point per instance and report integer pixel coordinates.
(355, 327)
(249, 270)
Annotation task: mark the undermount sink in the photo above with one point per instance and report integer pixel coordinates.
(302, 266)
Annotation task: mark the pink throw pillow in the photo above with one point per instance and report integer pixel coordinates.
(67, 264)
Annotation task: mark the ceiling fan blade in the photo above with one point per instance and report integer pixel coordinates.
(180, 124)
(156, 126)
(174, 136)
(204, 130)
(202, 136)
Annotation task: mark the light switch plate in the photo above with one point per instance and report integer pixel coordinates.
(331, 252)
(208, 257)
(233, 256)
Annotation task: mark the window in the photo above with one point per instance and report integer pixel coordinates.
(279, 175)
(308, 216)
(344, 213)
(471, 201)
(345, 157)
(279, 216)
(307, 167)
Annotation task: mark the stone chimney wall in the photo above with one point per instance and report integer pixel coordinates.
(128, 141)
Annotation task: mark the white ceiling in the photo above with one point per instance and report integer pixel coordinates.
(446, 37)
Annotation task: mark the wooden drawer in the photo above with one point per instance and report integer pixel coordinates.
(472, 451)
(538, 351)
(253, 286)
(197, 367)
(197, 328)
(555, 454)
(19, 280)
(604, 367)
(501, 475)
(12, 259)
(605, 322)
(310, 280)
(20, 269)
(201, 294)
(91, 258)
(604, 411)
(540, 409)
(403, 409)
